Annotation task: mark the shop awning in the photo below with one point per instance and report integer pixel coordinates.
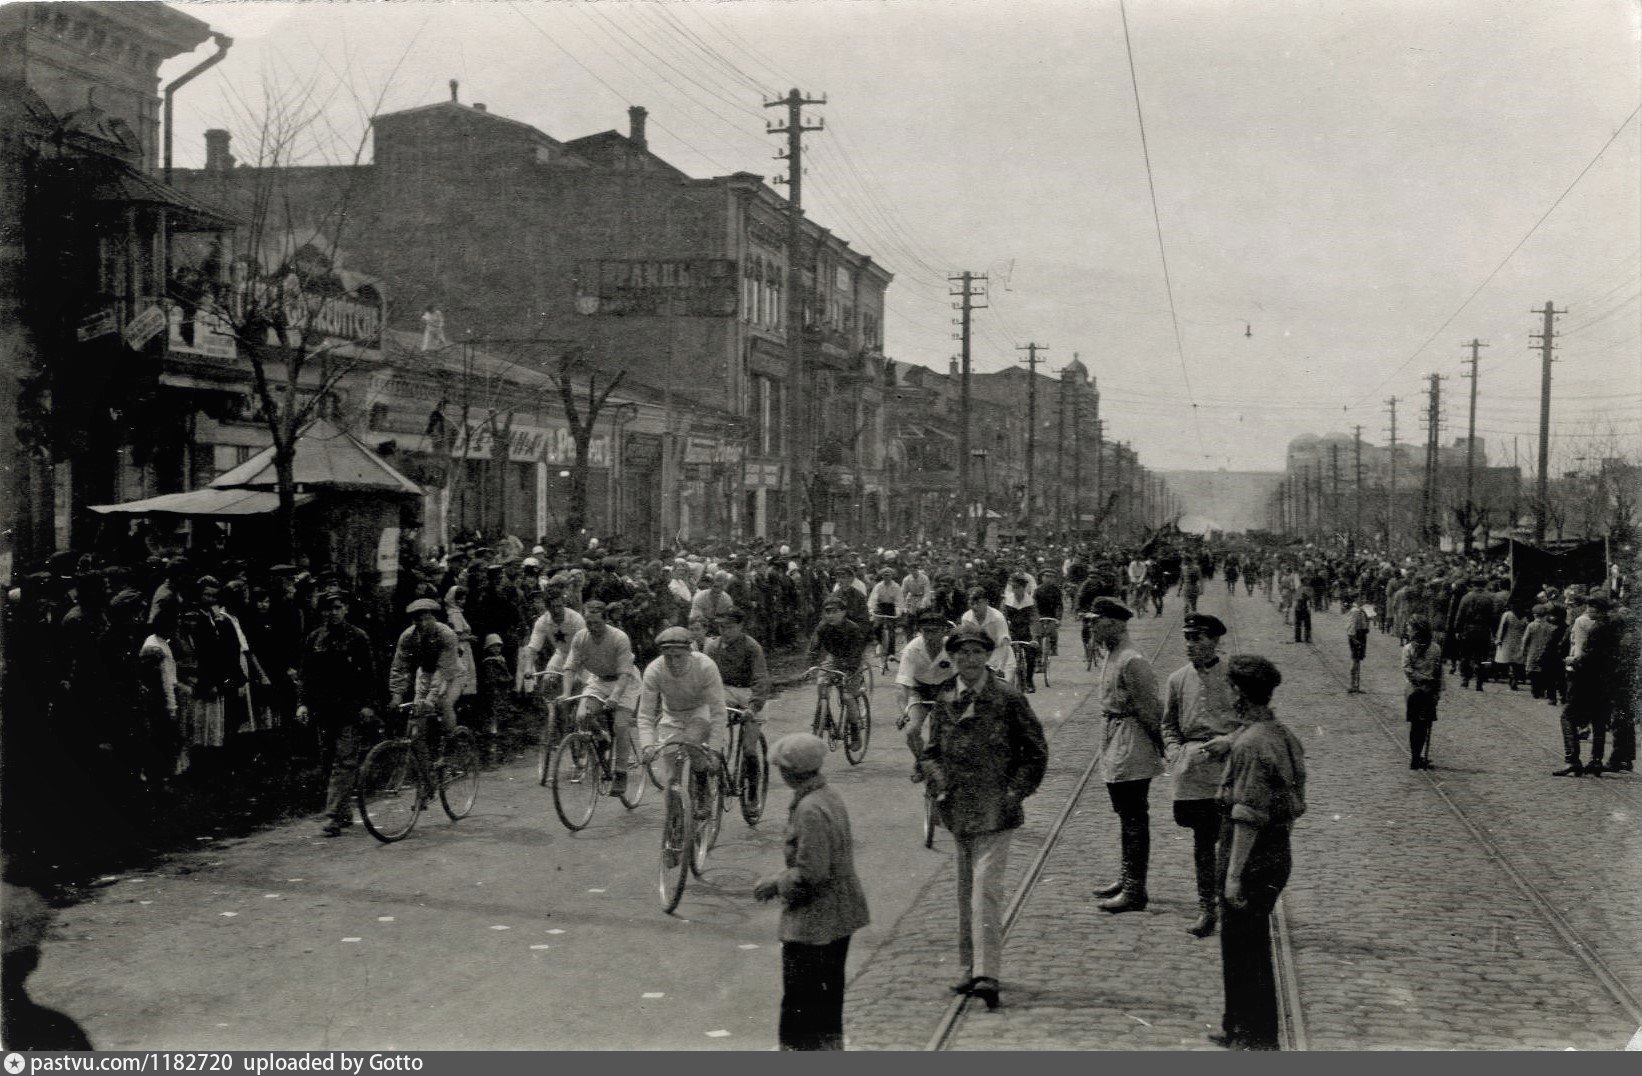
(214, 503)
(327, 458)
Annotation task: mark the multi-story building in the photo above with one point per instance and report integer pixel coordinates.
(598, 248)
(85, 261)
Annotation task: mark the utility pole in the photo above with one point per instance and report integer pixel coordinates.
(1391, 504)
(1060, 457)
(1100, 466)
(1077, 455)
(1031, 362)
(1334, 486)
(1471, 446)
(1357, 470)
(1545, 336)
(968, 296)
(802, 407)
(1433, 422)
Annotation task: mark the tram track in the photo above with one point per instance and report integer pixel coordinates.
(1570, 936)
(947, 1028)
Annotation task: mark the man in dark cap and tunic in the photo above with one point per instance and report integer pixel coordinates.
(1131, 751)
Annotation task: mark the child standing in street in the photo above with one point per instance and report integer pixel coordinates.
(1422, 669)
(1357, 626)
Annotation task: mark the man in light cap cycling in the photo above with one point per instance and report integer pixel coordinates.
(681, 698)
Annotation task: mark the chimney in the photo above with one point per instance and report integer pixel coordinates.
(952, 368)
(635, 125)
(478, 107)
(453, 85)
(217, 157)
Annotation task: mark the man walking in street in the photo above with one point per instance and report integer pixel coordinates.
(1261, 795)
(986, 753)
(1593, 675)
(1199, 714)
(337, 688)
(1131, 751)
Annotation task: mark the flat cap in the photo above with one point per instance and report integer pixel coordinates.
(1203, 624)
(969, 633)
(1111, 607)
(799, 752)
(332, 596)
(422, 605)
(931, 618)
(674, 636)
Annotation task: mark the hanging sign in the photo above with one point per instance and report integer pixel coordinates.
(94, 325)
(144, 327)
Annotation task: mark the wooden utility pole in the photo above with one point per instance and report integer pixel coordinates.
(1391, 503)
(1031, 362)
(968, 295)
(1060, 458)
(1543, 492)
(1100, 467)
(1433, 423)
(1470, 521)
(802, 406)
(1334, 512)
(1357, 473)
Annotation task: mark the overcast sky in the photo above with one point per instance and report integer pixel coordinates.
(1338, 178)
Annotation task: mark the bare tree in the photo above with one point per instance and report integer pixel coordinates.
(583, 418)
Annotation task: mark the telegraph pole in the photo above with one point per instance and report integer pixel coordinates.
(1391, 506)
(1545, 337)
(802, 405)
(1334, 485)
(1060, 458)
(968, 296)
(1357, 470)
(1100, 463)
(1471, 446)
(1433, 421)
(1031, 362)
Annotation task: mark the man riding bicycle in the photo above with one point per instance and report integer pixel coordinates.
(746, 676)
(682, 698)
(553, 632)
(844, 643)
(925, 667)
(427, 667)
(605, 653)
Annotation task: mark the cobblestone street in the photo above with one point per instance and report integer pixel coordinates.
(1407, 933)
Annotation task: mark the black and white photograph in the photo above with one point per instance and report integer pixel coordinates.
(806, 525)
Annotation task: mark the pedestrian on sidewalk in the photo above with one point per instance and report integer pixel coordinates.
(1131, 751)
(985, 754)
(1357, 625)
(1199, 716)
(1261, 796)
(1302, 612)
(823, 904)
(1422, 670)
(338, 686)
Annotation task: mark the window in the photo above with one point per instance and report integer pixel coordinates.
(379, 416)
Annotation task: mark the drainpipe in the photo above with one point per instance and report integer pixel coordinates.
(224, 43)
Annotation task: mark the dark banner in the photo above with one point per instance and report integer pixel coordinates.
(1533, 567)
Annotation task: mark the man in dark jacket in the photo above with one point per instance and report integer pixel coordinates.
(338, 688)
(1474, 620)
(985, 754)
(1595, 677)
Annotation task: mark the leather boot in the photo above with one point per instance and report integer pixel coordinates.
(1206, 920)
(1131, 899)
(1132, 896)
(1114, 888)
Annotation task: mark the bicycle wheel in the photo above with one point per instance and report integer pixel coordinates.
(859, 733)
(929, 818)
(459, 783)
(709, 822)
(1043, 663)
(575, 780)
(818, 726)
(389, 791)
(634, 793)
(1018, 675)
(675, 845)
(755, 783)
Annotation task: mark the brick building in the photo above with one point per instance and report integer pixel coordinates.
(597, 247)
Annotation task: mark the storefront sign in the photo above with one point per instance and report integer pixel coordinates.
(201, 332)
(700, 450)
(531, 444)
(144, 327)
(674, 287)
(99, 324)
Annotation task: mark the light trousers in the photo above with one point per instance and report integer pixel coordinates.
(981, 899)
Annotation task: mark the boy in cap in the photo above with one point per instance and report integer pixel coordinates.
(823, 903)
(1261, 795)
(1199, 717)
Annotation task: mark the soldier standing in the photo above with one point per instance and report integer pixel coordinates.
(1131, 751)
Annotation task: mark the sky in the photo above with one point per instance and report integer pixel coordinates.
(1344, 195)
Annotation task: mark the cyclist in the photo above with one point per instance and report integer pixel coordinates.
(605, 653)
(983, 616)
(925, 666)
(885, 601)
(746, 676)
(682, 698)
(916, 593)
(844, 643)
(1139, 588)
(1020, 611)
(852, 592)
(553, 630)
(1051, 603)
(426, 666)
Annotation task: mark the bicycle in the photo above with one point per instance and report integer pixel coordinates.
(857, 732)
(584, 770)
(932, 819)
(1020, 648)
(884, 629)
(553, 727)
(397, 780)
(748, 781)
(1048, 644)
(1088, 641)
(688, 829)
